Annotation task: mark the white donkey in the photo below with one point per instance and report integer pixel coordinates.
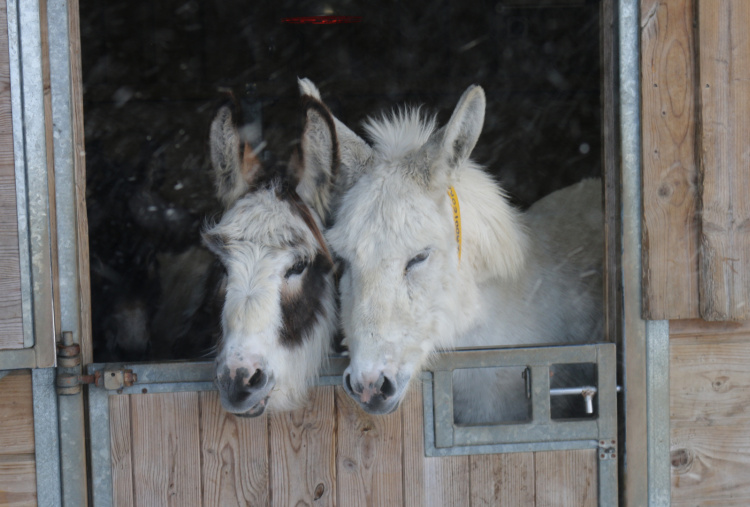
(279, 315)
(418, 278)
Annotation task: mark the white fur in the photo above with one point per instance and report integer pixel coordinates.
(528, 278)
(259, 238)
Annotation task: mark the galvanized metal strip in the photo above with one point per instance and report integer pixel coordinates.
(72, 419)
(517, 356)
(29, 143)
(442, 392)
(65, 186)
(607, 391)
(473, 450)
(555, 431)
(13, 359)
(46, 438)
(540, 403)
(203, 371)
(657, 367)
(101, 448)
(637, 484)
(607, 490)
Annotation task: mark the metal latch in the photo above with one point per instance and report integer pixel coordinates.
(112, 380)
(69, 376)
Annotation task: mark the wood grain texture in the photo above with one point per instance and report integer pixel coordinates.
(724, 82)
(710, 381)
(427, 481)
(11, 320)
(18, 481)
(16, 414)
(166, 449)
(303, 462)
(670, 200)
(503, 479)
(566, 478)
(369, 456)
(710, 464)
(234, 456)
(79, 164)
(710, 418)
(122, 451)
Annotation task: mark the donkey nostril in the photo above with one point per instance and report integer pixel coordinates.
(256, 378)
(348, 380)
(387, 388)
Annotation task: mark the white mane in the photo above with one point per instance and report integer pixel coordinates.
(396, 134)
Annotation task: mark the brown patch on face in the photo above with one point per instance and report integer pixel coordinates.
(301, 310)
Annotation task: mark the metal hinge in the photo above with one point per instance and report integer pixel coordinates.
(69, 375)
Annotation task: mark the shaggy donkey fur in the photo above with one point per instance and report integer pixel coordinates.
(279, 315)
(521, 279)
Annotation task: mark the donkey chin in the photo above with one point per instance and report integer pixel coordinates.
(244, 395)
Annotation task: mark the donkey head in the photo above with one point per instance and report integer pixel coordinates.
(279, 314)
(405, 290)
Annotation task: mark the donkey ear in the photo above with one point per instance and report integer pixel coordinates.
(327, 139)
(232, 174)
(319, 157)
(462, 131)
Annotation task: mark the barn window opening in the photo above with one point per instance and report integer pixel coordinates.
(155, 74)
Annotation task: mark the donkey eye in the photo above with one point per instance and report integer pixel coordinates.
(416, 260)
(297, 269)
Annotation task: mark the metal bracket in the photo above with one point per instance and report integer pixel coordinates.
(69, 375)
(607, 449)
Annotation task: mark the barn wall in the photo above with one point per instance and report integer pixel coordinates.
(696, 242)
(696, 119)
(17, 461)
(183, 446)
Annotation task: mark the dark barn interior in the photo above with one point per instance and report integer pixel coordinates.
(155, 73)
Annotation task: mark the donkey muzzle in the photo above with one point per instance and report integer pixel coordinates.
(242, 392)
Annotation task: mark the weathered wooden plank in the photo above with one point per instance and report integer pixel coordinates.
(166, 449)
(16, 414)
(369, 456)
(121, 451)
(18, 480)
(11, 324)
(693, 328)
(79, 164)
(710, 381)
(234, 456)
(610, 175)
(429, 482)
(566, 478)
(503, 479)
(710, 464)
(724, 83)
(670, 228)
(303, 461)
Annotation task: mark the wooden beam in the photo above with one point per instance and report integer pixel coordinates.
(670, 232)
(724, 83)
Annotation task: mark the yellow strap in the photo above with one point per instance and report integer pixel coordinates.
(456, 217)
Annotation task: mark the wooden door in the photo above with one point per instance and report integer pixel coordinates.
(183, 449)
